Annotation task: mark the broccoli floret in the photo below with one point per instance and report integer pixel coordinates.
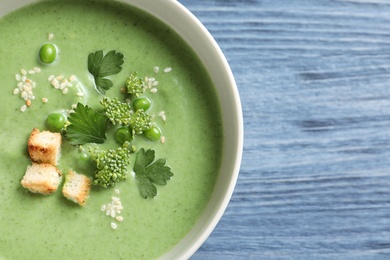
(118, 112)
(111, 165)
(135, 85)
(140, 121)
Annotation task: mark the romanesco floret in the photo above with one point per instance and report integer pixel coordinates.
(140, 121)
(118, 112)
(111, 165)
(135, 85)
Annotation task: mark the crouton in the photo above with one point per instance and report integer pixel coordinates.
(76, 187)
(44, 147)
(42, 178)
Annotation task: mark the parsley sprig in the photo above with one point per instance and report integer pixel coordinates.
(101, 66)
(89, 126)
(86, 126)
(149, 173)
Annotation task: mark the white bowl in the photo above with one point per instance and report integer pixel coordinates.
(196, 35)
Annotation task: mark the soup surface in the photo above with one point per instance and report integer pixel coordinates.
(33, 226)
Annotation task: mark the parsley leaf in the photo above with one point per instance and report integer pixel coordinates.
(146, 188)
(149, 173)
(86, 126)
(102, 66)
(103, 84)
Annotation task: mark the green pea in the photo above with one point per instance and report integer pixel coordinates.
(55, 122)
(141, 103)
(83, 157)
(153, 133)
(48, 53)
(123, 134)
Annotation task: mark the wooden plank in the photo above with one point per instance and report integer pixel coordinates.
(314, 79)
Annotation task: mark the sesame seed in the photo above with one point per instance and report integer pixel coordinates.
(80, 94)
(153, 90)
(113, 213)
(44, 100)
(54, 82)
(155, 83)
(37, 69)
(114, 225)
(167, 70)
(50, 36)
(72, 78)
(23, 78)
(162, 139)
(23, 108)
(28, 102)
(31, 72)
(65, 90)
(63, 85)
(156, 69)
(51, 78)
(162, 115)
(16, 91)
(17, 77)
(26, 88)
(113, 209)
(60, 77)
(24, 95)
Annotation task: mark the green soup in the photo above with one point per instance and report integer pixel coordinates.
(33, 226)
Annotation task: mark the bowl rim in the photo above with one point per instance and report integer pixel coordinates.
(196, 35)
(192, 30)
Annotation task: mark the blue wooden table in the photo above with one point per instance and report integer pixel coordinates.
(314, 79)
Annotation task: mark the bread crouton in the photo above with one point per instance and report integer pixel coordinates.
(42, 178)
(76, 187)
(44, 147)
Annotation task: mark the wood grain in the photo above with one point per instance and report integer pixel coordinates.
(314, 80)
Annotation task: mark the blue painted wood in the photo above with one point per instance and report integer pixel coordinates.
(314, 79)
